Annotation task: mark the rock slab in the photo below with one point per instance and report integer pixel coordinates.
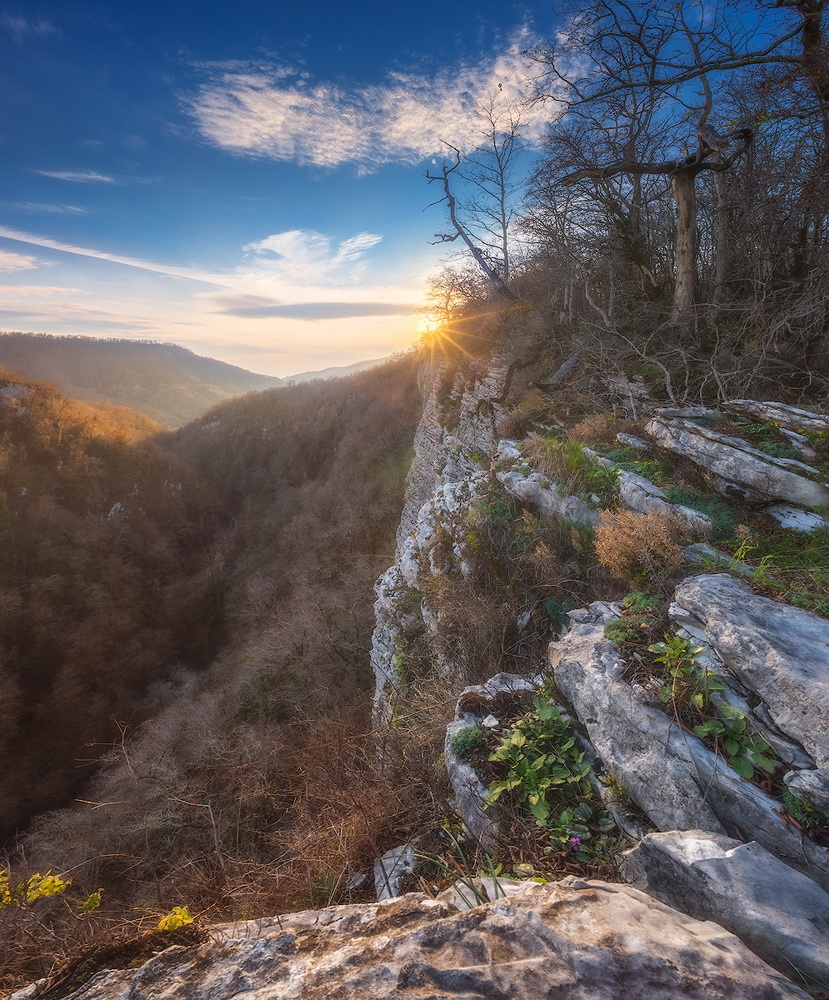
(574, 939)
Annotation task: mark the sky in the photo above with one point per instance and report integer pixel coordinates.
(245, 179)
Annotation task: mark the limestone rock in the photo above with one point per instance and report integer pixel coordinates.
(667, 770)
(779, 652)
(641, 494)
(795, 519)
(733, 461)
(583, 940)
(779, 413)
(536, 490)
(391, 869)
(633, 442)
(778, 913)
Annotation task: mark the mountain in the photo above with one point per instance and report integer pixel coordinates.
(167, 382)
(338, 371)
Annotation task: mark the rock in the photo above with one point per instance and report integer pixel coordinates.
(781, 915)
(668, 772)
(539, 492)
(795, 519)
(632, 441)
(733, 461)
(690, 412)
(391, 869)
(706, 555)
(779, 652)
(584, 940)
(642, 495)
(779, 413)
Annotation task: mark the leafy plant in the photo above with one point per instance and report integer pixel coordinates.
(547, 774)
(686, 682)
(177, 917)
(744, 749)
(34, 888)
(542, 761)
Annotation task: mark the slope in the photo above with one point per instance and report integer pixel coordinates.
(167, 382)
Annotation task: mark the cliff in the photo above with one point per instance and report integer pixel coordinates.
(630, 608)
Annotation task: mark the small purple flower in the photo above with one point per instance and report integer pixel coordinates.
(576, 842)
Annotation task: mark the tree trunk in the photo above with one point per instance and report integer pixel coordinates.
(686, 243)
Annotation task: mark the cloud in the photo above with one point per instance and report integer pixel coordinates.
(19, 28)
(144, 265)
(39, 206)
(78, 176)
(282, 115)
(303, 256)
(253, 307)
(16, 261)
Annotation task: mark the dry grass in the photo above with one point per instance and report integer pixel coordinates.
(633, 546)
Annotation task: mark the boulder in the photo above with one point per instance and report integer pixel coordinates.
(778, 913)
(667, 771)
(779, 652)
(795, 519)
(734, 462)
(781, 414)
(641, 494)
(537, 491)
(576, 939)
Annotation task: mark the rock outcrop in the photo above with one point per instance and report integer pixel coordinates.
(736, 468)
(581, 939)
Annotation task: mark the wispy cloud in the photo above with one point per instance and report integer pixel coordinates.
(283, 115)
(16, 261)
(40, 206)
(281, 263)
(254, 307)
(20, 27)
(78, 176)
(298, 255)
(145, 265)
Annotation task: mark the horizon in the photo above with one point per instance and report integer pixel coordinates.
(249, 186)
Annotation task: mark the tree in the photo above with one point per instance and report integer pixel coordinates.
(674, 56)
(483, 219)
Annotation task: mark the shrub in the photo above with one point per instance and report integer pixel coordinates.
(597, 428)
(467, 741)
(635, 546)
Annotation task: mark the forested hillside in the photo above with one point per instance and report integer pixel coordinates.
(167, 382)
(282, 527)
(106, 584)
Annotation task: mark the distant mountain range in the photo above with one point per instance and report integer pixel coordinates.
(167, 382)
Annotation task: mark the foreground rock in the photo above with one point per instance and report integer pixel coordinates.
(574, 939)
(778, 652)
(667, 771)
(737, 469)
(781, 915)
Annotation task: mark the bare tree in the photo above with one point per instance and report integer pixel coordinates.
(677, 54)
(482, 215)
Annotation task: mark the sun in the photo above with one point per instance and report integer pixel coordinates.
(428, 324)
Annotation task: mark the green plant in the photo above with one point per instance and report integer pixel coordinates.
(686, 683)
(34, 888)
(540, 755)
(547, 774)
(177, 917)
(722, 514)
(812, 820)
(467, 741)
(744, 749)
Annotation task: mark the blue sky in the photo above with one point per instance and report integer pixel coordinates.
(245, 178)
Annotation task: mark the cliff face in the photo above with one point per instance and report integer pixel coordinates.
(716, 734)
